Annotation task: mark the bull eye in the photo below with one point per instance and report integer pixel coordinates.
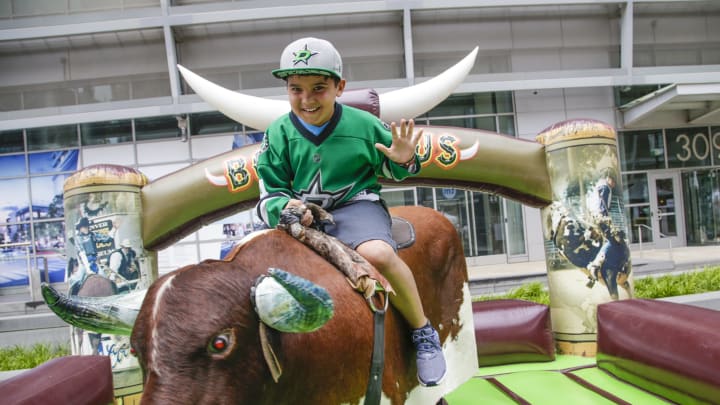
(133, 352)
(221, 344)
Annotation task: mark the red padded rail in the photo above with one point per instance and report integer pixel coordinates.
(77, 380)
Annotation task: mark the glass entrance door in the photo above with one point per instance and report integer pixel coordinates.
(666, 209)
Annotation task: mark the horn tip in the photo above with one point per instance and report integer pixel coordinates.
(50, 295)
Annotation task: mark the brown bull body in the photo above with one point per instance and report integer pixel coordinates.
(185, 310)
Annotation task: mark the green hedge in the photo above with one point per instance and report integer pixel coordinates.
(19, 357)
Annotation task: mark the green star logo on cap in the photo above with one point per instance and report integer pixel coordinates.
(303, 55)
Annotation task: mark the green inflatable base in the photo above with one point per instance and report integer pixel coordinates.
(566, 380)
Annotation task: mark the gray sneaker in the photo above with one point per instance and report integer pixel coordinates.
(431, 366)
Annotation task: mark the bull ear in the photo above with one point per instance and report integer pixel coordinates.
(114, 314)
(290, 303)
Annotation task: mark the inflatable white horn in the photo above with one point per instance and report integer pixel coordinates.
(259, 112)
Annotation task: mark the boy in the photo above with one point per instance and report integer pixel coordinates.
(329, 154)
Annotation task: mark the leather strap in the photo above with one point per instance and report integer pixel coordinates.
(373, 393)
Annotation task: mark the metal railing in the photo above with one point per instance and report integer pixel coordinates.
(34, 278)
(640, 240)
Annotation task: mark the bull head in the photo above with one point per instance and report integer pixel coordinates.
(284, 301)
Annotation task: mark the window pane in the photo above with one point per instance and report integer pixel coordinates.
(489, 223)
(635, 188)
(425, 197)
(212, 123)
(12, 165)
(452, 203)
(14, 208)
(454, 105)
(507, 125)
(108, 132)
(47, 196)
(156, 128)
(486, 123)
(396, 198)
(701, 198)
(640, 219)
(688, 147)
(503, 102)
(641, 150)
(13, 197)
(49, 237)
(516, 230)
(11, 141)
(454, 122)
(64, 136)
(52, 162)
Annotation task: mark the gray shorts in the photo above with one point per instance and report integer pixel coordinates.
(361, 221)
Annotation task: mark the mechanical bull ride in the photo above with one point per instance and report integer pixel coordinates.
(199, 340)
(205, 299)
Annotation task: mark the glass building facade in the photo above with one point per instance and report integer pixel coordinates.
(36, 162)
(672, 193)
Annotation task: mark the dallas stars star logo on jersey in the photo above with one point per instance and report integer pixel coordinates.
(303, 55)
(324, 198)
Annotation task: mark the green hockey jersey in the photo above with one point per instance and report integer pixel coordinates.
(328, 169)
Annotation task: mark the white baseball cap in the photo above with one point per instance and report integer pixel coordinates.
(309, 56)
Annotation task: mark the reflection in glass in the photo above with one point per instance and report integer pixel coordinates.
(47, 196)
(426, 197)
(516, 231)
(635, 188)
(474, 104)
(49, 237)
(156, 128)
(489, 224)
(13, 198)
(452, 203)
(12, 141)
(107, 132)
(665, 199)
(12, 165)
(398, 197)
(486, 123)
(506, 125)
(52, 162)
(63, 136)
(641, 150)
(212, 123)
(640, 218)
(701, 199)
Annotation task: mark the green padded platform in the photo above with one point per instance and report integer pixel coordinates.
(545, 384)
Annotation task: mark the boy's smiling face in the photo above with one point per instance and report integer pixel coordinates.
(312, 97)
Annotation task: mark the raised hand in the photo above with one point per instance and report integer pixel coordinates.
(404, 141)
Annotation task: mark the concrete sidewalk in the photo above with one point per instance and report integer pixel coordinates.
(644, 262)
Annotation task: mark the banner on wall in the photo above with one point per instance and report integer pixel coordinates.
(41, 203)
